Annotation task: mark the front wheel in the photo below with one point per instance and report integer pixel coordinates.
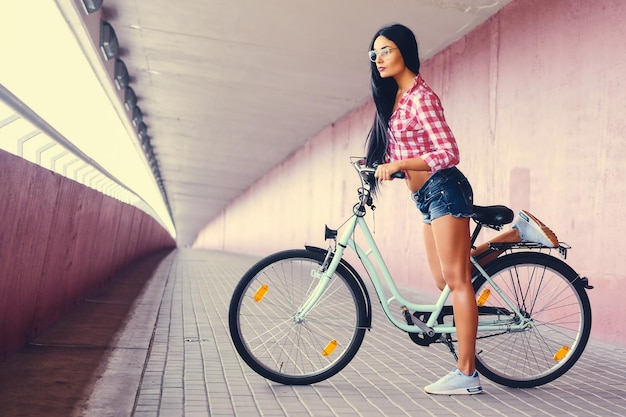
(273, 341)
(549, 293)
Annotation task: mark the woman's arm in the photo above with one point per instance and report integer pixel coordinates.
(385, 171)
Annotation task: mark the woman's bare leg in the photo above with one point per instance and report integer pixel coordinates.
(451, 239)
(432, 256)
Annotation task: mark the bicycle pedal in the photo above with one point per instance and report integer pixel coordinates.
(407, 316)
(420, 323)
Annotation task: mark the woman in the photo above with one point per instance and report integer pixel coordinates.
(410, 134)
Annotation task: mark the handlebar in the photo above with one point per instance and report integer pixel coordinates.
(360, 165)
(366, 175)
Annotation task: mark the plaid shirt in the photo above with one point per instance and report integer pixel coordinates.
(418, 128)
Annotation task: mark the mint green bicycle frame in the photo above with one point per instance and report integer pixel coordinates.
(519, 323)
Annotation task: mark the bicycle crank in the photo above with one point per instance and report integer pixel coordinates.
(426, 337)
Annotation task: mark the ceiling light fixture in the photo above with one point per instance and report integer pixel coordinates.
(137, 116)
(92, 6)
(142, 133)
(121, 74)
(108, 40)
(130, 99)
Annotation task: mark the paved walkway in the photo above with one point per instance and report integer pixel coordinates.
(174, 357)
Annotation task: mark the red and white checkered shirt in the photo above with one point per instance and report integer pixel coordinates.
(418, 128)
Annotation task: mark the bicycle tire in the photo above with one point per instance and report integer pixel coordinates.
(548, 291)
(276, 346)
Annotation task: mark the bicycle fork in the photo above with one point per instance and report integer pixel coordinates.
(323, 275)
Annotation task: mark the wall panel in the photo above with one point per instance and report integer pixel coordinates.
(59, 241)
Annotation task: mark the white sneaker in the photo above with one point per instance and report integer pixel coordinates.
(531, 229)
(456, 382)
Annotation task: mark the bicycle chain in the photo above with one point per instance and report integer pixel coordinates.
(477, 338)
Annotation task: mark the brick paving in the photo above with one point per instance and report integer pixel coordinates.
(192, 369)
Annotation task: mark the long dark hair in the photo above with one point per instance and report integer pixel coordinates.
(384, 90)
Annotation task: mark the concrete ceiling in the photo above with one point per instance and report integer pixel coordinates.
(230, 88)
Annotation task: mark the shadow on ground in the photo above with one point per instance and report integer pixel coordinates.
(53, 375)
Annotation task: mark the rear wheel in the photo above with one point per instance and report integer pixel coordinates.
(548, 292)
(286, 350)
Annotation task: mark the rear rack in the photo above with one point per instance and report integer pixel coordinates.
(516, 246)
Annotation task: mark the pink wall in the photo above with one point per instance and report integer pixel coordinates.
(536, 98)
(59, 240)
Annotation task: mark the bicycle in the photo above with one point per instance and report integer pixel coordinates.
(299, 316)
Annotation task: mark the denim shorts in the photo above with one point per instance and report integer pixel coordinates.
(445, 192)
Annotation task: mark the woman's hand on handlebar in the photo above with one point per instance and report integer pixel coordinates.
(388, 172)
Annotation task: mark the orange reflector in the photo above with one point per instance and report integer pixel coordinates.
(261, 293)
(560, 354)
(330, 347)
(482, 299)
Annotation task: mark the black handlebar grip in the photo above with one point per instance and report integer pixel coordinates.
(398, 174)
